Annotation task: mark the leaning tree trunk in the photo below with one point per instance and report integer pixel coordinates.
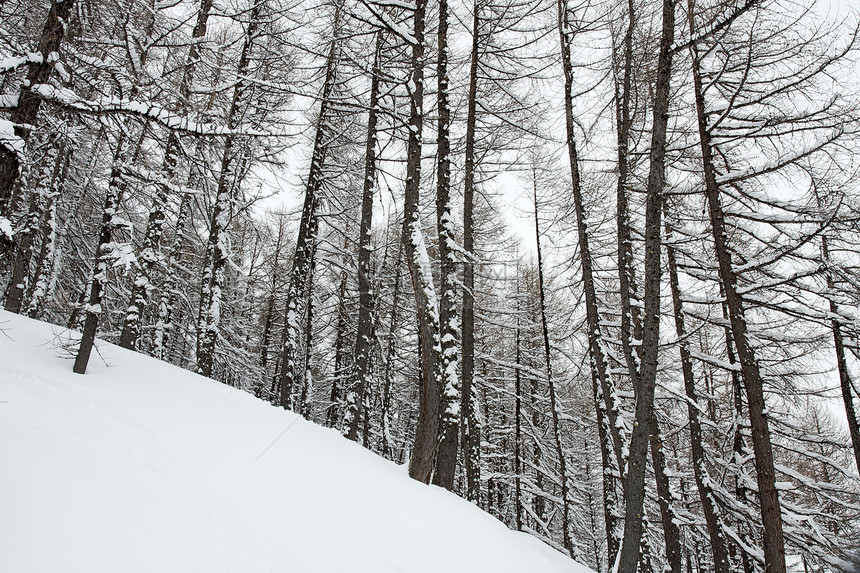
(40, 206)
(449, 323)
(631, 324)
(149, 252)
(605, 398)
(644, 380)
(471, 439)
(104, 252)
(709, 502)
(418, 262)
(518, 415)
(774, 542)
(45, 282)
(387, 450)
(217, 248)
(845, 380)
(23, 116)
(361, 369)
(553, 400)
(308, 226)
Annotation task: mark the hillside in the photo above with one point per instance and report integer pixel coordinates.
(141, 466)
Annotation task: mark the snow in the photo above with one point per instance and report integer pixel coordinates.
(139, 466)
(6, 228)
(9, 140)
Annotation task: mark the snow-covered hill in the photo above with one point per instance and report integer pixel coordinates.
(141, 466)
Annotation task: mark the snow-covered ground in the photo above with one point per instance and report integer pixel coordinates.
(141, 466)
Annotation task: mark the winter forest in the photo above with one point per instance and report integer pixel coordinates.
(590, 264)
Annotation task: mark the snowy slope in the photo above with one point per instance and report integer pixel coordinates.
(140, 466)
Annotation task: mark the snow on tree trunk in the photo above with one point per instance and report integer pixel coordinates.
(360, 375)
(306, 243)
(471, 442)
(605, 397)
(449, 322)
(774, 543)
(150, 247)
(710, 507)
(644, 381)
(23, 115)
(40, 204)
(218, 245)
(104, 256)
(554, 408)
(426, 431)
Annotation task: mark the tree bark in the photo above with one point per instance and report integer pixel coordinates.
(360, 373)
(150, 247)
(426, 431)
(774, 543)
(605, 398)
(567, 540)
(24, 114)
(218, 245)
(104, 251)
(449, 322)
(644, 380)
(306, 243)
(700, 470)
(471, 442)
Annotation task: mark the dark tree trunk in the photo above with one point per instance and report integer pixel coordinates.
(164, 326)
(389, 359)
(426, 431)
(449, 323)
(845, 381)
(774, 543)
(605, 398)
(150, 247)
(645, 377)
(518, 414)
(24, 114)
(553, 400)
(40, 205)
(471, 439)
(360, 373)
(697, 450)
(104, 252)
(306, 243)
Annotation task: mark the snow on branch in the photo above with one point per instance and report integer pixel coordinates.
(387, 22)
(13, 62)
(9, 140)
(107, 105)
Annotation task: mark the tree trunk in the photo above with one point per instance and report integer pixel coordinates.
(845, 380)
(774, 543)
(605, 398)
(361, 369)
(471, 439)
(645, 378)
(306, 243)
(23, 116)
(46, 280)
(697, 450)
(218, 245)
(40, 205)
(449, 323)
(389, 359)
(553, 401)
(418, 262)
(150, 247)
(104, 251)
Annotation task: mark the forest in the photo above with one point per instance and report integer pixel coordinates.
(589, 264)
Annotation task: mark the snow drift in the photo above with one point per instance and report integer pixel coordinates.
(141, 466)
